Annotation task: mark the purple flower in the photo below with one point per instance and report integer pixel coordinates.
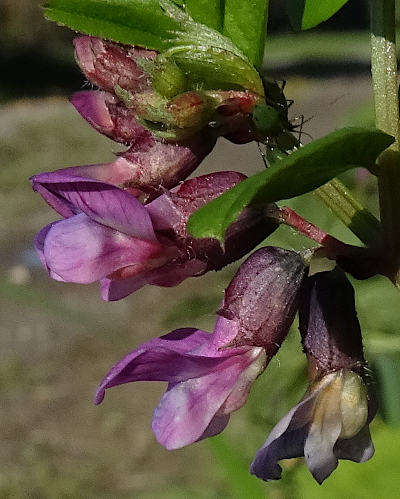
(108, 235)
(207, 377)
(331, 421)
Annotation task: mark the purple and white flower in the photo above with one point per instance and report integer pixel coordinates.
(208, 377)
(331, 421)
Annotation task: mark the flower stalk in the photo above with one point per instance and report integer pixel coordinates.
(331, 244)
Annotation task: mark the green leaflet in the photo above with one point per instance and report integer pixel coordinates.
(141, 22)
(305, 14)
(245, 23)
(204, 54)
(302, 171)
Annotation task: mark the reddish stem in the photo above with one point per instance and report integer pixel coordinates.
(333, 245)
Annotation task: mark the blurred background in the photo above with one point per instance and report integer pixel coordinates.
(58, 340)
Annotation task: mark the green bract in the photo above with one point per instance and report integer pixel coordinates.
(302, 171)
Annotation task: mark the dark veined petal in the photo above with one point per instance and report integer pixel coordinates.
(285, 441)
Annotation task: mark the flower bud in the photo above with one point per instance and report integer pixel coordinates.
(328, 323)
(263, 297)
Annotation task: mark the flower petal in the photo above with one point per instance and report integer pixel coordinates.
(69, 194)
(323, 433)
(171, 358)
(285, 441)
(107, 115)
(168, 275)
(107, 64)
(80, 250)
(187, 408)
(358, 448)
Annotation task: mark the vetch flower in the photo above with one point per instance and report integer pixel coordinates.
(161, 130)
(331, 421)
(208, 377)
(108, 235)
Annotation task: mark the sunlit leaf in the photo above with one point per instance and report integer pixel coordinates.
(245, 24)
(209, 58)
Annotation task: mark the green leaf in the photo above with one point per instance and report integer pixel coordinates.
(139, 22)
(208, 12)
(305, 14)
(302, 171)
(245, 23)
(208, 57)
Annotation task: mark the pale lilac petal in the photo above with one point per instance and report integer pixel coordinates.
(80, 250)
(108, 116)
(168, 275)
(323, 433)
(285, 441)
(187, 408)
(358, 448)
(102, 202)
(39, 243)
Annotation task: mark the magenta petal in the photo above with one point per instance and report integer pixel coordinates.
(92, 106)
(168, 275)
(104, 203)
(170, 358)
(107, 115)
(173, 209)
(156, 165)
(80, 250)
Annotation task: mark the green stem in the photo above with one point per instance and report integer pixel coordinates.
(384, 67)
(351, 212)
(385, 87)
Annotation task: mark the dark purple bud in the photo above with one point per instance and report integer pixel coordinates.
(263, 297)
(328, 324)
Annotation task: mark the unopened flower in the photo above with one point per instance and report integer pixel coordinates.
(331, 421)
(108, 235)
(208, 377)
(142, 102)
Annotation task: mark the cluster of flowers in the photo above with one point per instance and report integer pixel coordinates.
(125, 226)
